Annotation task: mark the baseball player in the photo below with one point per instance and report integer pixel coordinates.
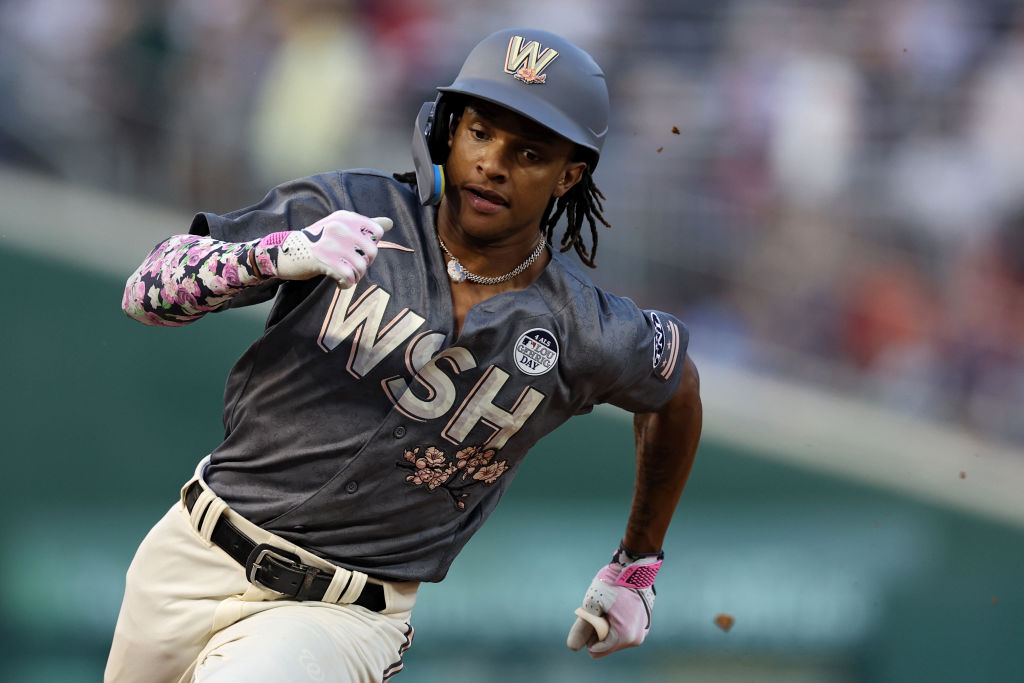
(425, 335)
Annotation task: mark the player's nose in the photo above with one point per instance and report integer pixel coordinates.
(493, 160)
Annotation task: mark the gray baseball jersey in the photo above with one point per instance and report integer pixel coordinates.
(361, 428)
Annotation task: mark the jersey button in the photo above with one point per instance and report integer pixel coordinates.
(352, 487)
(399, 432)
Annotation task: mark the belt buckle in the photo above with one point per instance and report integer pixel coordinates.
(263, 551)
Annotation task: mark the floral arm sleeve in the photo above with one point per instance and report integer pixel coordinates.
(187, 276)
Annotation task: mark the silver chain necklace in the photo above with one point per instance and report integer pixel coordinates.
(458, 273)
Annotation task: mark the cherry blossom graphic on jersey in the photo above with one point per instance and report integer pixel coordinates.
(469, 466)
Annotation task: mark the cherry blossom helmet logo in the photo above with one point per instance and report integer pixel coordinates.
(526, 61)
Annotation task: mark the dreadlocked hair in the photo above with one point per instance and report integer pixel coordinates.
(581, 202)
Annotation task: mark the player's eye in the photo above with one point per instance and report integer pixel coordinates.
(531, 155)
(478, 133)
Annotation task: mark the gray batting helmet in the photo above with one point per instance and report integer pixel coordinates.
(537, 74)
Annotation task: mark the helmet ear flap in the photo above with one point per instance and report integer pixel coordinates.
(429, 174)
(437, 137)
(430, 148)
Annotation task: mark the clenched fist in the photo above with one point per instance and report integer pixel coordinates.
(341, 246)
(616, 610)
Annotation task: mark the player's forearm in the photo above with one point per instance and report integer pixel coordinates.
(185, 277)
(666, 444)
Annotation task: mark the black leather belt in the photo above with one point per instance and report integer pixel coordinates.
(277, 569)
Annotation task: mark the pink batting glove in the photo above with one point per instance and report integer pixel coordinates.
(616, 611)
(341, 246)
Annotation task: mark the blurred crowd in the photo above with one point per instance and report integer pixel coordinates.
(832, 191)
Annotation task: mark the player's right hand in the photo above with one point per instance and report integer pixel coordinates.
(341, 246)
(616, 610)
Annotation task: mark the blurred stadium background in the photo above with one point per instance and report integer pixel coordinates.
(839, 219)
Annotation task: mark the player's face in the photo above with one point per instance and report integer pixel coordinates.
(502, 171)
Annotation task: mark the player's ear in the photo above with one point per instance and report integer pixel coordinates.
(452, 125)
(571, 174)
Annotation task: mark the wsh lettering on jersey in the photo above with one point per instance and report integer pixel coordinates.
(432, 369)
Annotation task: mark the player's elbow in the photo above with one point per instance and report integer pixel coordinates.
(133, 297)
(136, 305)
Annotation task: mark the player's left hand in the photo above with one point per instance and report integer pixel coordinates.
(616, 611)
(341, 246)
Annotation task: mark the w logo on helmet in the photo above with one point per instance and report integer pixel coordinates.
(526, 62)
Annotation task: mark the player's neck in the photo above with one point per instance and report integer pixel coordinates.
(494, 255)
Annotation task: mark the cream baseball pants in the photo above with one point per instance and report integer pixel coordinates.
(190, 615)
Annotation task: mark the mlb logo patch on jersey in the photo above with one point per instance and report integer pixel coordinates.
(536, 352)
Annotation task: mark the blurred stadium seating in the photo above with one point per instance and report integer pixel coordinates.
(837, 221)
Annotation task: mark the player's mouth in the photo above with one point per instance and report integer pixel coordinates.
(483, 200)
